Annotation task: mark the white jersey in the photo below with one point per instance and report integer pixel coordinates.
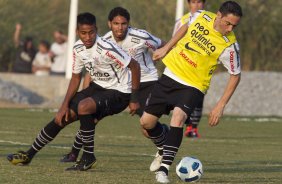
(230, 57)
(137, 44)
(106, 64)
(60, 59)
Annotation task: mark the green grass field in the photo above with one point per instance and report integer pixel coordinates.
(239, 150)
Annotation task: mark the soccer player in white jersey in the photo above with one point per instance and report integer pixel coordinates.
(115, 78)
(190, 64)
(137, 43)
(193, 122)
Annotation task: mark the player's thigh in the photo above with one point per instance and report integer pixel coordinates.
(144, 91)
(110, 102)
(186, 100)
(157, 101)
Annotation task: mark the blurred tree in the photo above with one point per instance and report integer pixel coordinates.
(259, 33)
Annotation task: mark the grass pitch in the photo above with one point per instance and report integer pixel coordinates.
(239, 150)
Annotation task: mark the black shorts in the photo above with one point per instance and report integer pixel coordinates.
(108, 101)
(167, 94)
(143, 93)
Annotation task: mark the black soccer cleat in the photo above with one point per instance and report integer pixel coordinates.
(70, 157)
(19, 158)
(83, 165)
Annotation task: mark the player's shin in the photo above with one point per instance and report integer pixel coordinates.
(46, 135)
(171, 146)
(77, 144)
(158, 135)
(87, 129)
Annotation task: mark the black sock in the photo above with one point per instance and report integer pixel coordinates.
(46, 135)
(77, 144)
(87, 129)
(158, 136)
(196, 116)
(171, 145)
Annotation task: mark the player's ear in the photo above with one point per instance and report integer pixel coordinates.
(109, 24)
(218, 14)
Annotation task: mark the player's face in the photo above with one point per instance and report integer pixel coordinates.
(119, 26)
(226, 24)
(87, 34)
(196, 5)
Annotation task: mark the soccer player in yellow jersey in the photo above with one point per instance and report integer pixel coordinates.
(195, 117)
(190, 63)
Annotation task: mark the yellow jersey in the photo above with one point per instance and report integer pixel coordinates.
(194, 58)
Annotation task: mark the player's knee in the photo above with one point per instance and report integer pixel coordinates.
(86, 106)
(148, 121)
(178, 117)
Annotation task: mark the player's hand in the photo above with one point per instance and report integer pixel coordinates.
(159, 53)
(62, 115)
(133, 106)
(215, 115)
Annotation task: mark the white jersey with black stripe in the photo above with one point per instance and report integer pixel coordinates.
(106, 63)
(137, 44)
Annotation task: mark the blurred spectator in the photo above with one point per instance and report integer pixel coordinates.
(41, 64)
(58, 54)
(25, 52)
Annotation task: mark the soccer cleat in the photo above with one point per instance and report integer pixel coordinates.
(20, 158)
(156, 164)
(83, 165)
(191, 132)
(161, 177)
(70, 157)
(195, 133)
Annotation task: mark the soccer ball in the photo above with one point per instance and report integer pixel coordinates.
(189, 169)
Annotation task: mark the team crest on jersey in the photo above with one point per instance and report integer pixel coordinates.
(132, 51)
(135, 40)
(96, 60)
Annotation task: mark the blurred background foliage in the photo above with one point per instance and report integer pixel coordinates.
(259, 32)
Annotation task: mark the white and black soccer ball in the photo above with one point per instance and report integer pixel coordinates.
(189, 169)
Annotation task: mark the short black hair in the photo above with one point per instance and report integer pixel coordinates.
(86, 18)
(204, 1)
(119, 11)
(45, 43)
(231, 7)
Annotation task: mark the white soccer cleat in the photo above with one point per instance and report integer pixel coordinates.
(161, 177)
(156, 164)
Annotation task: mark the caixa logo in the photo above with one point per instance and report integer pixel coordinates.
(99, 74)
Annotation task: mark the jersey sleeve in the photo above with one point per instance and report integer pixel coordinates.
(230, 58)
(153, 42)
(116, 55)
(77, 63)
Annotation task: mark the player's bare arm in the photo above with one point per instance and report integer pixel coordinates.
(17, 35)
(160, 53)
(135, 70)
(86, 81)
(217, 111)
(64, 110)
